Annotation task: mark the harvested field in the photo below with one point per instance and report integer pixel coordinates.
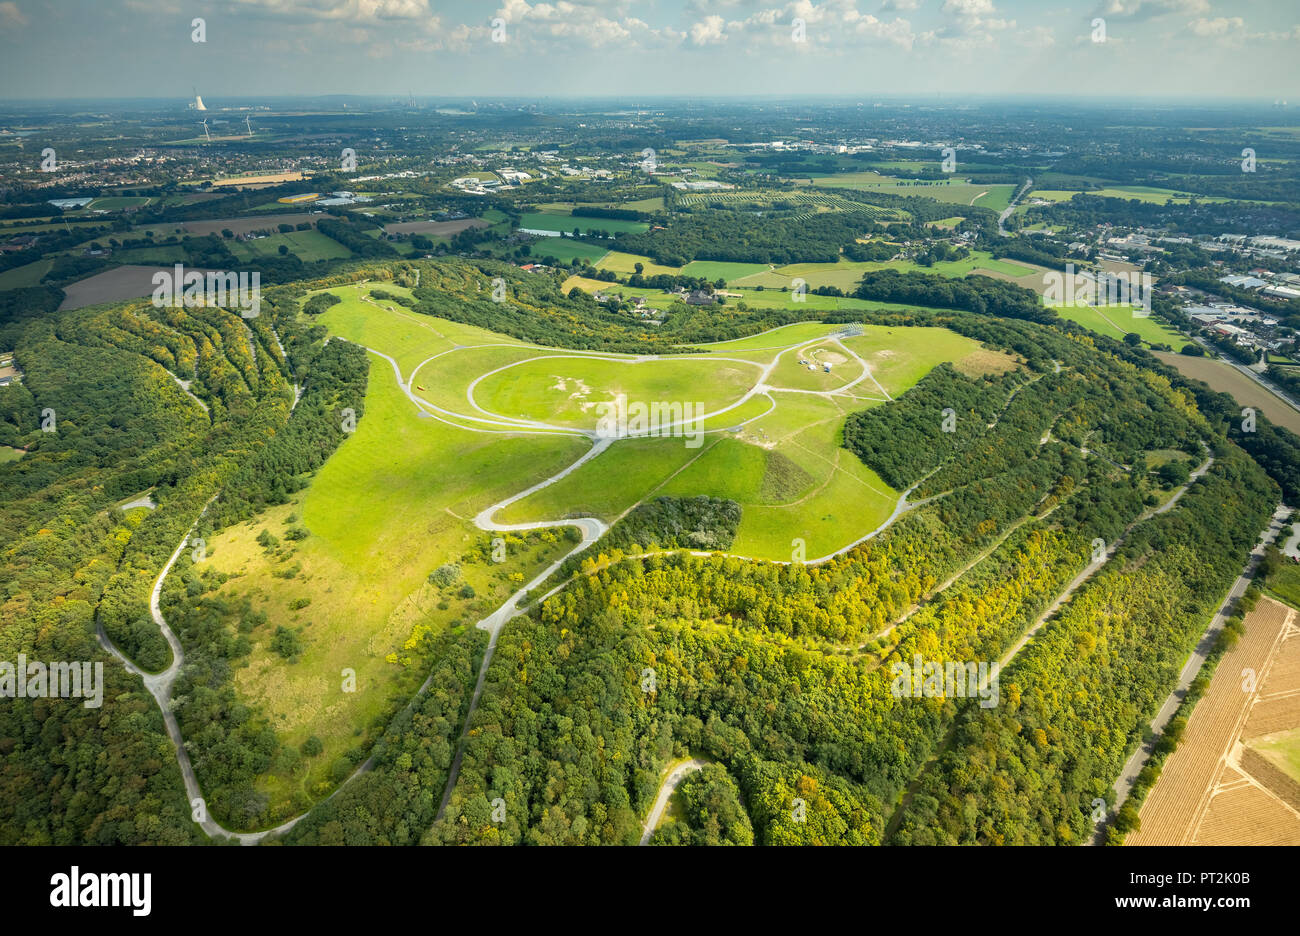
(244, 225)
(1227, 379)
(435, 228)
(1285, 674)
(124, 282)
(1271, 777)
(1247, 815)
(1272, 715)
(1207, 793)
(271, 178)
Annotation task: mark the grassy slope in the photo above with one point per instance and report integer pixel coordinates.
(1116, 321)
(562, 390)
(392, 504)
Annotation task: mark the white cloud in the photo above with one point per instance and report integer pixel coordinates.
(709, 31)
(1220, 26)
(1145, 9)
(355, 11)
(827, 26)
(971, 24)
(1040, 37)
(968, 8)
(590, 22)
(10, 16)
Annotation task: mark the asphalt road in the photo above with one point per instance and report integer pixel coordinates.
(676, 776)
(1128, 776)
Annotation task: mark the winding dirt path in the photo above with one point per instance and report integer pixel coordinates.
(160, 684)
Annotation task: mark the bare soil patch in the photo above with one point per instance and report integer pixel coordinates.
(435, 228)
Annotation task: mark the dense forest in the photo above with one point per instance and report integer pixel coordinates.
(980, 294)
(719, 236)
(777, 675)
(748, 660)
(77, 566)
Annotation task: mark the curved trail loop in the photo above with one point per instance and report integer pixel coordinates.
(591, 528)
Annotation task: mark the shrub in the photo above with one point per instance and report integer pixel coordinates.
(446, 574)
(286, 643)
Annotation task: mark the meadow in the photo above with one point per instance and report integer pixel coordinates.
(547, 221)
(29, 274)
(406, 336)
(308, 246)
(565, 390)
(1117, 321)
(390, 506)
(843, 274)
(565, 250)
(779, 455)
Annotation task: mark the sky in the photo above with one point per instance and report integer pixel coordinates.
(653, 48)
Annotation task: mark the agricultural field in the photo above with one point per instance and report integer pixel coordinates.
(1282, 749)
(996, 196)
(307, 246)
(124, 282)
(435, 228)
(803, 203)
(1155, 196)
(625, 263)
(846, 274)
(755, 297)
(257, 179)
(565, 250)
(1143, 193)
(26, 275)
(542, 221)
(1050, 195)
(160, 253)
(118, 202)
(26, 227)
(1233, 779)
(243, 225)
(1225, 378)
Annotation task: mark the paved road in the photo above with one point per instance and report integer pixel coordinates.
(160, 684)
(1254, 375)
(676, 776)
(1012, 207)
(1128, 776)
(1289, 548)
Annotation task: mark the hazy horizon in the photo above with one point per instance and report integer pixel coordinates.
(663, 49)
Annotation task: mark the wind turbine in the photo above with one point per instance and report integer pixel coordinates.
(248, 125)
(207, 135)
